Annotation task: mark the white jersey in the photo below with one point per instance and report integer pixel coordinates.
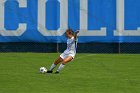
(71, 48)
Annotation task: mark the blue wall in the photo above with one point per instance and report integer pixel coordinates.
(101, 13)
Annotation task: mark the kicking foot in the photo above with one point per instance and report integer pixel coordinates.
(49, 71)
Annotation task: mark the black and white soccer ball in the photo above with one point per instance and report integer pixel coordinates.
(42, 70)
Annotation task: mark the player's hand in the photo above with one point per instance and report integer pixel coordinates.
(77, 31)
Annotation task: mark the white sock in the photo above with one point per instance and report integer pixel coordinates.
(60, 67)
(52, 67)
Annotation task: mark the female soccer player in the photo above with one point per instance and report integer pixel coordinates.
(69, 54)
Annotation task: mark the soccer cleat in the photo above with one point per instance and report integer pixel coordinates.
(49, 71)
(56, 72)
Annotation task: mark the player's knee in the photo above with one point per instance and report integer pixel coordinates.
(64, 63)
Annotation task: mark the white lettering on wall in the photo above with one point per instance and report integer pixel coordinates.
(22, 26)
(120, 22)
(42, 18)
(84, 22)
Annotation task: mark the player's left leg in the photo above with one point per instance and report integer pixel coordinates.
(54, 65)
(64, 62)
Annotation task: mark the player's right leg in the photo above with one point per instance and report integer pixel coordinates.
(54, 65)
(64, 62)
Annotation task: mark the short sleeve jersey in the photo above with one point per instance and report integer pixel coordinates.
(71, 46)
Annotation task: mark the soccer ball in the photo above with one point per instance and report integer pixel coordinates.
(42, 70)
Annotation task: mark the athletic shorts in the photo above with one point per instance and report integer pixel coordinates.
(63, 55)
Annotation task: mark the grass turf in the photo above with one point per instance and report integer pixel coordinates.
(88, 73)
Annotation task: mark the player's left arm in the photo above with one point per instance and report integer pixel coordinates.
(75, 35)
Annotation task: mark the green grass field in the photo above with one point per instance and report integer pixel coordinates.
(88, 73)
